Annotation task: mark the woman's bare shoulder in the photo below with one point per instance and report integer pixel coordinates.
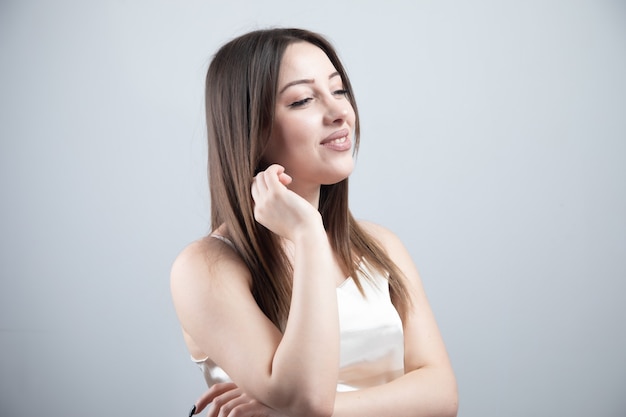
(383, 235)
(207, 259)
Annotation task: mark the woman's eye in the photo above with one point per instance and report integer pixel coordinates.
(342, 92)
(300, 102)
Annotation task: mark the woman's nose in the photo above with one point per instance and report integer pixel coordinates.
(337, 110)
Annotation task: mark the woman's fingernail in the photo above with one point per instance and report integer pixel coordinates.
(193, 411)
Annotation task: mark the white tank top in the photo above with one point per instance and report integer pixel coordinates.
(371, 338)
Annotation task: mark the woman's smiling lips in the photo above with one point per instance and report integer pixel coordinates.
(338, 141)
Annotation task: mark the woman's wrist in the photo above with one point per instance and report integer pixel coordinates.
(309, 232)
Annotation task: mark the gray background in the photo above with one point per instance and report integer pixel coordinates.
(494, 144)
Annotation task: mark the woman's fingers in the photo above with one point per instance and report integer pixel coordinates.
(224, 403)
(275, 169)
(210, 395)
(227, 399)
(270, 180)
(230, 403)
(262, 181)
(271, 176)
(253, 409)
(277, 207)
(285, 179)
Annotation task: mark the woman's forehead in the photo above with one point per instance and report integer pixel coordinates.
(303, 60)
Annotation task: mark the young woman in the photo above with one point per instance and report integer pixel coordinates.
(290, 306)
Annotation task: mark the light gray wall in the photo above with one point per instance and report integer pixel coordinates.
(494, 144)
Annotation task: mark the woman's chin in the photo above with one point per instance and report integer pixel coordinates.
(338, 176)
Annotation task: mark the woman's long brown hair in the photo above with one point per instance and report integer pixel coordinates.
(241, 87)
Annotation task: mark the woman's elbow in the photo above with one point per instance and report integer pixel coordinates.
(309, 404)
(450, 401)
(301, 409)
(317, 409)
(444, 398)
(450, 408)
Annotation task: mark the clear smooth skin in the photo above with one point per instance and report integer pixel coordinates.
(313, 122)
(295, 373)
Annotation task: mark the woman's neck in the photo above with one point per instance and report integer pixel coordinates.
(309, 193)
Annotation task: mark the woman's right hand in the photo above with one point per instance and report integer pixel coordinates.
(278, 208)
(228, 400)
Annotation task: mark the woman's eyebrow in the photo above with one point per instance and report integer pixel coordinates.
(305, 81)
(296, 82)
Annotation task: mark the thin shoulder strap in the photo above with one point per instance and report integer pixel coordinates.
(225, 240)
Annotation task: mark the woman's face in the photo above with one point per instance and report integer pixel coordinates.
(313, 127)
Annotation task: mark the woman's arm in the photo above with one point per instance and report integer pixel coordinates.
(226, 399)
(428, 387)
(294, 372)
